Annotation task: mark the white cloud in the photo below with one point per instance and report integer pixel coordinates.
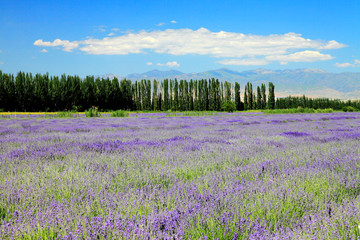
(249, 49)
(115, 29)
(67, 45)
(305, 56)
(173, 21)
(149, 63)
(244, 62)
(44, 50)
(169, 64)
(333, 45)
(111, 34)
(160, 24)
(345, 65)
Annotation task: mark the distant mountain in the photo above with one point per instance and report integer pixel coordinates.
(154, 74)
(311, 82)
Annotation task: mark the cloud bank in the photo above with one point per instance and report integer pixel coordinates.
(356, 63)
(169, 64)
(237, 48)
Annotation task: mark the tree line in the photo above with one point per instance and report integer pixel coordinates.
(316, 103)
(40, 92)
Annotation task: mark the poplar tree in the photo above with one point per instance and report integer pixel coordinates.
(221, 93)
(206, 95)
(196, 99)
(218, 96)
(186, 96)
(237, 96)
(176, 95)
(154, 98)
(191, 93)
(258, 98)
(29, 101)
(181, 95)
(171, 101)
(165, 105)
(271, 100)
(246, 98)
(148, 95)
(3, 94)
(263, 96)
(227, 91)
(138, 89)
(19, 91)
(115, 97)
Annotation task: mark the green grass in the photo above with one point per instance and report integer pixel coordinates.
(298, 110)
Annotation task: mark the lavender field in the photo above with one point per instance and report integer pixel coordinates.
(230, 176)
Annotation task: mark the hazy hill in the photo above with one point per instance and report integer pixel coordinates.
(154, 74)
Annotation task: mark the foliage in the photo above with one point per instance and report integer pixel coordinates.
(271, 100)
(120, 113)
(348, 109)
(316, 103)
(229, 106)
(66, 114)
(42, 92)
(298, 110)
(25, 92)
(92, 112)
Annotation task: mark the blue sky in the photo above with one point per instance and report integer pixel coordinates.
(123, 37)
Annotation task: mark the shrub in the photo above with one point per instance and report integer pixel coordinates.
(120, 113)
(65, 114)
(228, 106)
(326, 110)
(348, 109)
(93, 112)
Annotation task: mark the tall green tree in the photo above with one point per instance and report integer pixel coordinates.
(20, 91)
(29, 103)
(191, 93)
(271, 100)
(155, 96)
(176, 95)
(258, 98)
(87, 89)
(246, 100)
(237, 96)
(148, 95)
(171, 95)
(165, 104)
(181, 96)
(206, 95)
(263, 96)
(186, 96)
(196, 98)
(115, 97)
(227, 91)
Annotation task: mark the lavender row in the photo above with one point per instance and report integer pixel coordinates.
(227, 177)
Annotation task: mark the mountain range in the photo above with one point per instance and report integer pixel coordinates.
(310, 82)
